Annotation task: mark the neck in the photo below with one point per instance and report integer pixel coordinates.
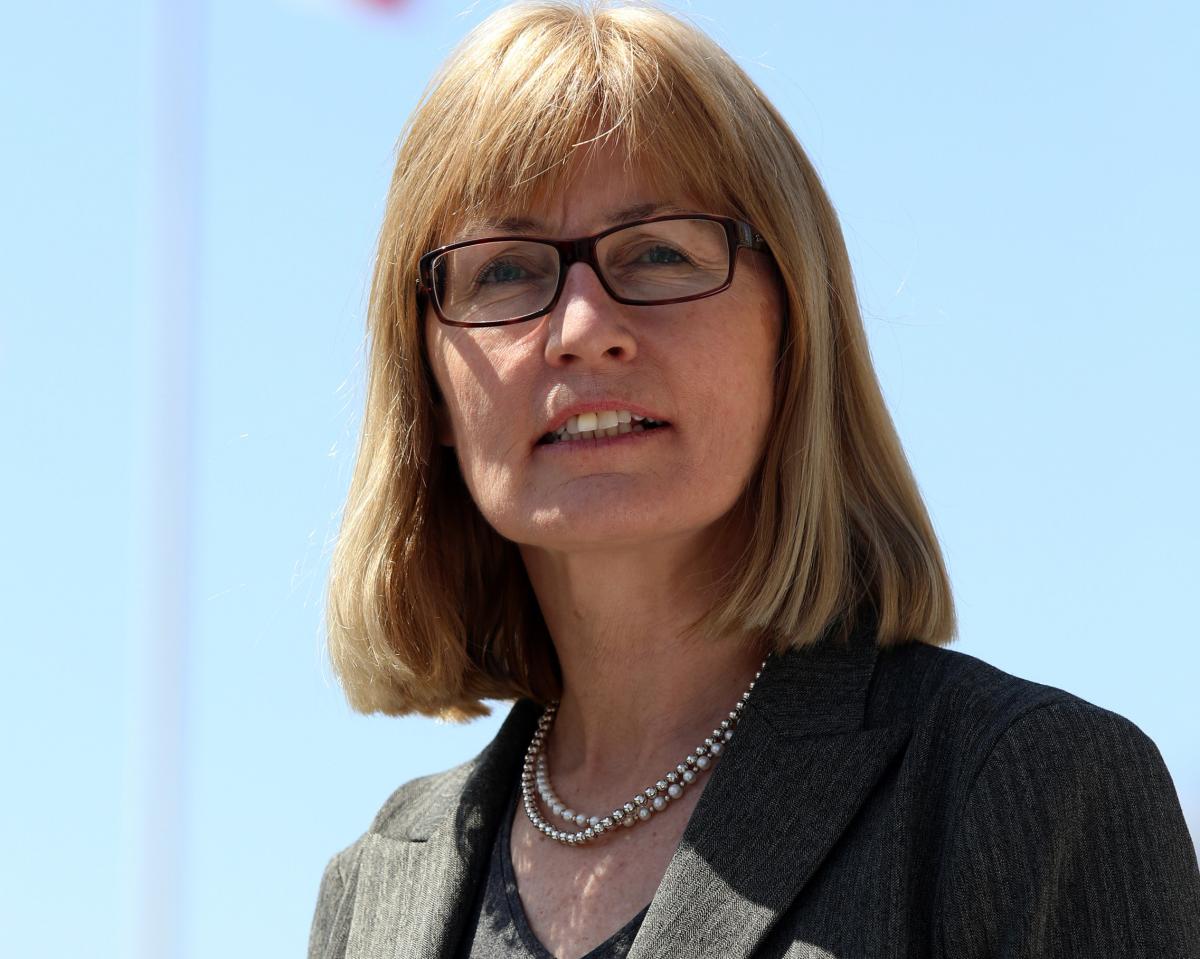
(639, 690)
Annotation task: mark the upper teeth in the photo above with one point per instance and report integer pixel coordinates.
(602, 423)
(599, 420)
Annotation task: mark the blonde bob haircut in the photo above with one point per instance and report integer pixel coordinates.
(429, 609)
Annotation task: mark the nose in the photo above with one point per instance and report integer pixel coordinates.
(587, 326)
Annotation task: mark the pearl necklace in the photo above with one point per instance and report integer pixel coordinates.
(641, 807)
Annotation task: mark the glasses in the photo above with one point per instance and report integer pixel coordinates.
(495, 281)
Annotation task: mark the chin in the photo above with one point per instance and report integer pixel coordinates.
(588, 527)
(573, 537)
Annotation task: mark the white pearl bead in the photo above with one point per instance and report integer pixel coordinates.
(715, 749)
(674, 791)
(688, 776)
(644, 813)
(628, 822)
(593, 820)
(702, 762)
(568, 815)
(581, 820)
(659, 803)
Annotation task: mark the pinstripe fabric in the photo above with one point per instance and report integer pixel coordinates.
(906, 802)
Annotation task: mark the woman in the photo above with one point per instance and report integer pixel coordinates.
(626, 462)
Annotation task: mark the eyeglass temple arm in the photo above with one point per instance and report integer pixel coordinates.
(747, 237)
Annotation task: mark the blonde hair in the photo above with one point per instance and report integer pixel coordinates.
(429, 609)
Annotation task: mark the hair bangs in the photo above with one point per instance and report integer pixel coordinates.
(557, 94)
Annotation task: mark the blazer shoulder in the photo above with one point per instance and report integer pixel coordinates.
(923, 685)
(414, 808)
(1057, 822)
(409, 813)
(959, 708)
(966, 715)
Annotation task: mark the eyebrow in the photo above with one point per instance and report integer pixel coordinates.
(526, 224)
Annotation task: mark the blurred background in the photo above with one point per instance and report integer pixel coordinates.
(190, 192)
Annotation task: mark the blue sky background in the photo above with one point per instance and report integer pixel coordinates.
(1017, 186)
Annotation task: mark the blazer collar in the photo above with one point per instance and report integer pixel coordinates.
(794, 775)
(790, 781)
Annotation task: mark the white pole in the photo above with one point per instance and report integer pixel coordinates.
(178, 75)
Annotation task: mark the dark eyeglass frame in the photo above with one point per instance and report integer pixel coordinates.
(738, 233)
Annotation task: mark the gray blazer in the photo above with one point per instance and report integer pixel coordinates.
(910, 802)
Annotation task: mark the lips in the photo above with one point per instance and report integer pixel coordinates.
(591, 426)
(596, 418)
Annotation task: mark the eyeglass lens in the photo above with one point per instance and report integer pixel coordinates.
(646, 262)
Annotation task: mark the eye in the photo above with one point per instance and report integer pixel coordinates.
(656, 254)
(501, 271)
(664, 255)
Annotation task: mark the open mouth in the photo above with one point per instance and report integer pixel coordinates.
(587, 426)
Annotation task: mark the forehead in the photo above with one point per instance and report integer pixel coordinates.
(596, 189)
(534, 225)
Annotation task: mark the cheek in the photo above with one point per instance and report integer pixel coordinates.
(475, 375)
(455, 385)
(744, 381)
(466, 407)
(742, 358)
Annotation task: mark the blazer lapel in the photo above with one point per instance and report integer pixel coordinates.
(788, 785)
(415, 890)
